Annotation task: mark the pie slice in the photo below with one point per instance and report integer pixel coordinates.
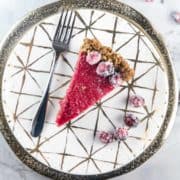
(98, 71)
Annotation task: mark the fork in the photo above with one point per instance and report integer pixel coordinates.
(60, 43)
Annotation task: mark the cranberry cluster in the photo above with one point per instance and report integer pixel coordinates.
(104, 68)
(130, 120)
(108, 137)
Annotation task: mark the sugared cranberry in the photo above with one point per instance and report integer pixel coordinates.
(105, 69)
(116, 79)
(106, 137)
(93, 57)
(176, 16)
(121, 133)
(136, 101)
(131, 120)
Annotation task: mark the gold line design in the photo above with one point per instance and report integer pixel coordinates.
(28, 68)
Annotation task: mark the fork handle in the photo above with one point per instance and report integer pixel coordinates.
(38, 121)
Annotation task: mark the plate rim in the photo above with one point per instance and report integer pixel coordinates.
(119, 9)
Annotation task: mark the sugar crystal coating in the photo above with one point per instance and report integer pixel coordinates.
(93, 57)
(116, 80)
(121, 133)
(176, 16)
(105, 69)
(136, 101)
(106, 137)
(131, 120)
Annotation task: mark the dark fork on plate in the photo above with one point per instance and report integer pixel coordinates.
(60, 44)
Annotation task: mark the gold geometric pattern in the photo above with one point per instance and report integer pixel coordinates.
(74, 147)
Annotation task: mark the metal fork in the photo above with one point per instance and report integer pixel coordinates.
(60, 44)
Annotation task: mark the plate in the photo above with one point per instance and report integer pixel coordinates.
(72, 151)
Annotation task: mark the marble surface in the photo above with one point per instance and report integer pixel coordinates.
(165, 163)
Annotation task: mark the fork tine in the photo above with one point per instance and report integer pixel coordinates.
(67, 26)
(63, 26)
(72, 26)
(59, 26)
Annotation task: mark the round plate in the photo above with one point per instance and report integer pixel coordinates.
(74, 151)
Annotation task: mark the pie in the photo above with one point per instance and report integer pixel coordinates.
(98, 71)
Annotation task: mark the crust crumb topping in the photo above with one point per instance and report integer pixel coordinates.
(107, 54)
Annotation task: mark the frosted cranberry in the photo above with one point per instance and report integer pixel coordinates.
(176, 16)
(93, 57)
(136, 101)
(105, 69)
(131, 120)
(116, 79)
(106, 137)
(121, 133)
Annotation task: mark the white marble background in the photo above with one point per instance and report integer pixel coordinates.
(164, 164)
